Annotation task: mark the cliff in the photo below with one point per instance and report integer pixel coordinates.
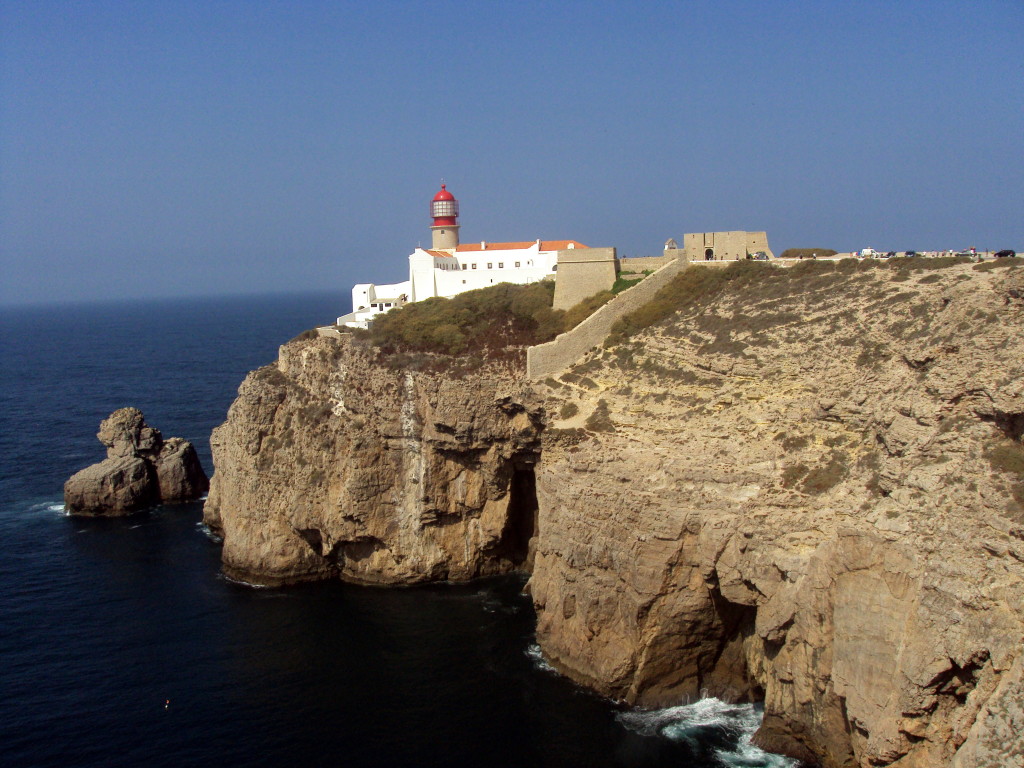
(804, 487)
(334, 463)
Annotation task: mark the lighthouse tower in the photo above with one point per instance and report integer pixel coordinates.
(444, 209)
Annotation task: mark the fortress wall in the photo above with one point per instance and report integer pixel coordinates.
(581, 273)
(641, 263)
(727, 246)
(555, 356)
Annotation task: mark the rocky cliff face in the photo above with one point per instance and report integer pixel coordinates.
(807, 492)
(333, 463)
(809, 497)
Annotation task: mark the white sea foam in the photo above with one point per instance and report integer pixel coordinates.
(205, 530)
(534, 653)
(692, 722)
(242, 583)
(49, 506)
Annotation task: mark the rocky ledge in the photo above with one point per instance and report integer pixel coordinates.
(141, 469)
(806, 488)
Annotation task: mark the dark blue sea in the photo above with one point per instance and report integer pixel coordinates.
(121, 644)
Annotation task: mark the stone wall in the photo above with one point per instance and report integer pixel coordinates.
(642, 263)
(724, 246)
(555, 356)
(582, 272)
(328, 331)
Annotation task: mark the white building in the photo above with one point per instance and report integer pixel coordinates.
(450, 268)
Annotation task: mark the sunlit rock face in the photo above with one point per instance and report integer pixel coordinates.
(809, 496)
(806, 491)
(334, 463)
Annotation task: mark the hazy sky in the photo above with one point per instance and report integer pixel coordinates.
(179, 148)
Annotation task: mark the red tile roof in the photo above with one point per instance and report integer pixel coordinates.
(545, 245)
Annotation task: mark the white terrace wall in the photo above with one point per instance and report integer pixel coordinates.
(555, 356)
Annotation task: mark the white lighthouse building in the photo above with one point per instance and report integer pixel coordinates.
(449, 267)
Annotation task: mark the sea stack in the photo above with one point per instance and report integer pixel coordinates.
(141, 469)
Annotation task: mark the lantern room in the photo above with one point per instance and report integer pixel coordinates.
(444, 208)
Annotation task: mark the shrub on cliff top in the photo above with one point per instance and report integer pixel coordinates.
(691, 286)
(698, 286)
(484, 321)
(490, 318)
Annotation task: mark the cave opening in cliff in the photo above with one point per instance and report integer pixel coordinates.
(521, 523)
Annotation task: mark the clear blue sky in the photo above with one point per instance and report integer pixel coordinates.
(194, 148)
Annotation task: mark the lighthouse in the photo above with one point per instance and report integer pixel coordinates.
(447, 268)
(444, 209)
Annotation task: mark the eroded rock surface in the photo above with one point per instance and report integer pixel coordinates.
(140, 470)
(332, 463)
(807, 492)
(812, 498)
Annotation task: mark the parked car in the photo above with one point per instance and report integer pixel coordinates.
(890, 255)
(867, 252)
(910, 253)
(1005, 254)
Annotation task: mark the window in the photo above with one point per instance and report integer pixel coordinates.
(490, 265)
(463, 282)
(501, 265)
(474, 266)
(465, 266)
(517, 263)
(388, 304)
(554, 267)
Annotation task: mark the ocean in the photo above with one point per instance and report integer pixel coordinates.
(121, 644)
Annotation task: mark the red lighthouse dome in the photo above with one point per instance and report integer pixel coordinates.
(444, 208)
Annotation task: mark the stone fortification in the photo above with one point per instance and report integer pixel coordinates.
(582, 272)
(806, 491)
(724, 246)
(555, 356)
(644, 263)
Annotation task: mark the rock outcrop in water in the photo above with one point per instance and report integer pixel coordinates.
(141, 469)
(807, 491)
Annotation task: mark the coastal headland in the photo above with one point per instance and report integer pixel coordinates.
(801, 486)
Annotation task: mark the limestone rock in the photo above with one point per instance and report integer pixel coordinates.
(833, 537)
(125, 433)
(180, 476)
(334, 464)
(114, 486)
(807, 493)
(140, 470)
